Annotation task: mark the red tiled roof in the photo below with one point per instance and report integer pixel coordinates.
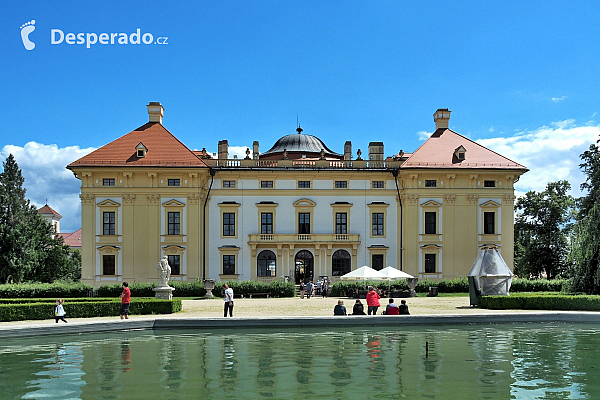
(72, 239)
(48, 210)
(164, 149)
(438, 152)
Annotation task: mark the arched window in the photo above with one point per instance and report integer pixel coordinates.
(266, 263)
(340, 263)
(304, 266)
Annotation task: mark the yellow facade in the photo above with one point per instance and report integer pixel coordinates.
(264, 219)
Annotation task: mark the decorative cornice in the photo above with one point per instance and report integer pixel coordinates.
(509, 199)
(87, 198)
(128, 198)
(472, 198)
(449, 198)
(153, 198)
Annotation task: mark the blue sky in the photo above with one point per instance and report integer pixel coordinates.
(520, 78)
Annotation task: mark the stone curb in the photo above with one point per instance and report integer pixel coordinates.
(140, 323)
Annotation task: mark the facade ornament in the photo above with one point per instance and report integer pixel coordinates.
(128, 198)
(193, 198)
(358, 154)
(285, 156)
(153, 198)
(450, 198)
(472, 198)
(247, 154)
(509, 199)
(87, 198)
(322, 154)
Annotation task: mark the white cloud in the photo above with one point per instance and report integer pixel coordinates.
(551, 153)
(423, 136)
(239, 151)
(43, 167)
(557, 99)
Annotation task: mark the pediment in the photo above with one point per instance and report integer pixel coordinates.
(108, 203)
(431, 203)
(173, 203)
(490, 203)
(304, 203)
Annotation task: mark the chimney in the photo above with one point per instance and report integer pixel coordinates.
(255, 149)
(155, 111)
(348, 150)
(376, 151)
(441, 118)
(223, 150)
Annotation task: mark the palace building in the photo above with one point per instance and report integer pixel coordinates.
(298, 210)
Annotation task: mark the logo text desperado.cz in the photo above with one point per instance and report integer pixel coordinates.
(57, 36)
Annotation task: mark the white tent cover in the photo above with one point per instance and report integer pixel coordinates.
(363, 273)
(394, 273)
(491, 273)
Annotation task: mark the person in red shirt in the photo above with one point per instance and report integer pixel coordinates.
(125, 301)
(392, 308)
(372, 301)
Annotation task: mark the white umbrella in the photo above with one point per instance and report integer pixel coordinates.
(394, 273)
(364, 273)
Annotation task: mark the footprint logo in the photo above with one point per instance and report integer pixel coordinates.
(26, 29)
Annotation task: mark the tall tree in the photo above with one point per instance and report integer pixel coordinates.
(29, 248)
(542, 228)
(586, 249)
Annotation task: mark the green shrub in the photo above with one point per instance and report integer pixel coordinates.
(537, 301)
(84, 308)
(45, 290)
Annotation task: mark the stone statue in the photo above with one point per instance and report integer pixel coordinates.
(164, 271)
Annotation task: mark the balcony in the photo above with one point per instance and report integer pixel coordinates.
(302, 164)
(294, 238)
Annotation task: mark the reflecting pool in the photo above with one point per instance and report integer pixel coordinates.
(532, 361)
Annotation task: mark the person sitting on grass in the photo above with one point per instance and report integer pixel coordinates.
(340, 309)
(359, 308)
(392, 308)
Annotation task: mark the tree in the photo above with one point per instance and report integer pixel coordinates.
(29, 248)
(586, 249)
(542, 229)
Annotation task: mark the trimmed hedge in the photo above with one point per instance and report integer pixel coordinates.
(458, 285)
(47, 290)
(84, 308)
(531, 301)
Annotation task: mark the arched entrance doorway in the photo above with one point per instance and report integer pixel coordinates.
(340, 263)
(304, 266)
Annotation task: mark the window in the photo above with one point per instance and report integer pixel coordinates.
(340, 263)
(174, 223)
(228, 224)
(489, 223)
(109, 264)
(377, 262)
(377, 184)
(266, 184)
(228, 184)
(266, 223)
(141, 153)
(489, 183)
(108, 223)
(229, 265)
(303, 184)
(341, 184)
(430, 223)
(461, 156)
(304, 223)
(266, 263)
(174, 182)
(175, 264)
(430, 183)
(108, 182)
(341, 223)
(430, 263)
(377, 224)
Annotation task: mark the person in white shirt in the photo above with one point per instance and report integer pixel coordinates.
(59, 311)
(228, 300)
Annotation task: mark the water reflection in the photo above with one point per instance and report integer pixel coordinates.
(487, 362)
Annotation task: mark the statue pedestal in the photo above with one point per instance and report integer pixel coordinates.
(209, 285)
(163, 292)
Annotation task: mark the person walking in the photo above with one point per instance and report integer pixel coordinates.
(372, 301)
(228, 300)
(309, 288)
(59, 311)
(125, 301)
(302, 289)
